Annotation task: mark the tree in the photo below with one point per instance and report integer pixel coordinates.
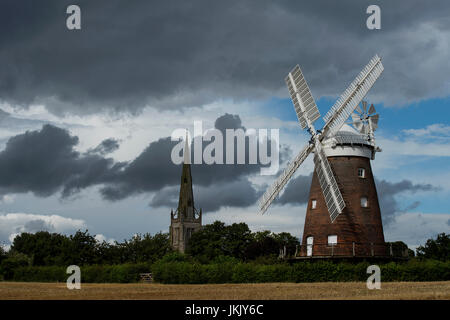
(144, 248)
(266, 243)
(82, 249)
(263, 244)
(285, 239)
(237, 241)
(399, 248)
(13, 261)
(438, 249)
(2, 253)
(43, 247)
(217, 239)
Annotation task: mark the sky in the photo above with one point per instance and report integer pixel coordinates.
(86, 115)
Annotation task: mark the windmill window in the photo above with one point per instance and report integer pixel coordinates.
(364, 202)
(313, 204)
(332, 240)
(361, 172)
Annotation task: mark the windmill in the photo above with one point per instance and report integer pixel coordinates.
(341, 155)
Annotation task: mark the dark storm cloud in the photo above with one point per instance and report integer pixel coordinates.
(45, 162)
(178, 54)
(153, 169)
(106, 146)
(36, 225)
(388, 190)
(297, 191)
(239, 193)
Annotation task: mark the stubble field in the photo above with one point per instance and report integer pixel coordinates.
(262, 291)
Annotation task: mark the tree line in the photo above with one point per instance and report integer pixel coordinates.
(217, 239)
(211, 243)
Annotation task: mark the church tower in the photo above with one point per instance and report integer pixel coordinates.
(186, 219)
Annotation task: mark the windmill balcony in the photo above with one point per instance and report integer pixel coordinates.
(350, 250)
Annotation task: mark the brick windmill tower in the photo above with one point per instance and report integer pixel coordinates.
(186, 219)
(343, 215)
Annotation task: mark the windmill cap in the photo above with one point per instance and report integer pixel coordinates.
(348, 129)
(347, 135)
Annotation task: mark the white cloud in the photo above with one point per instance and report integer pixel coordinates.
(7, 198)
(12, 224)
(100, 238)
(277, 219)
(437, 130)
(416, 228)
(410, 147)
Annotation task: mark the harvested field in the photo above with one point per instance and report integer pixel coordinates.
(261, 291)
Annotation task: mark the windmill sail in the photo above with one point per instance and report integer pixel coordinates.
(374, 121)
(351, 97)
(301, 96)
(272, 192)
(332, 195)
(307, 114)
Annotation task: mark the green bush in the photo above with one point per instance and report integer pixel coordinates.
(124, 273)
(178, 269)
(13, 261)
(320, 271)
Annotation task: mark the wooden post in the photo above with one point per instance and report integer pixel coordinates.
(353, 248)
(391, 250)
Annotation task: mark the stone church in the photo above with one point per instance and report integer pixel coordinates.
(186, 219)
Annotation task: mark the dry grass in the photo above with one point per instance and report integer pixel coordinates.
(329, 290)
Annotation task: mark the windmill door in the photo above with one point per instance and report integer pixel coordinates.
(309, 246)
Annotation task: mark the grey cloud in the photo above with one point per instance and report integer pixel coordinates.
(106, 146)
(388, 190)
(45, 162)
(33, 226)
(168, 197)
(153, 168)
(412, 206)
(239, 193)
(173, 55)
(297, 191)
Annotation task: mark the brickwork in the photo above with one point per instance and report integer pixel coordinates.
(357, 224)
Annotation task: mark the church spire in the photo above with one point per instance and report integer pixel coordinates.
(187, 151)
(186, 218)
(186, 200)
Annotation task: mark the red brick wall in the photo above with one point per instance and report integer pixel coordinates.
(356, 224)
